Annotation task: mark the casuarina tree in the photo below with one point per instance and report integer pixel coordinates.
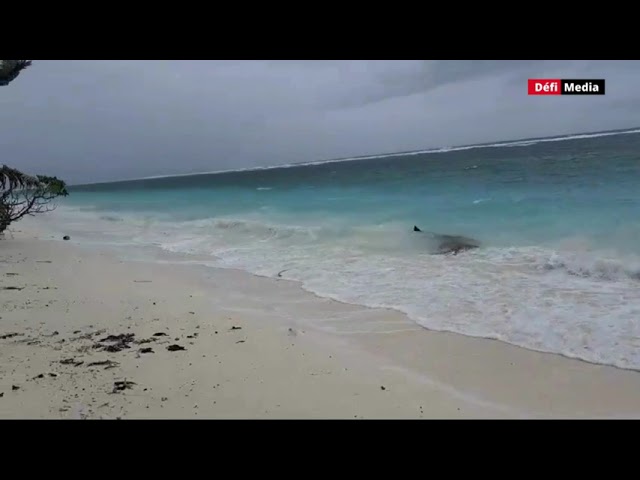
(22, 195)
(10, 69)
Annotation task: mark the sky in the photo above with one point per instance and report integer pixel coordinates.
(102, 120)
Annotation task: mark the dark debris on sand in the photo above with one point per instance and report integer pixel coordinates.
(122, 385)
(106, 363)
(71, 361)
(175, 348)
(89, 336)
(160, 334)
(115, 343)
(146, 350)
(123, 337)
(9, 335)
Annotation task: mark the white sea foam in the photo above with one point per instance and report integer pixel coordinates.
(572, 300)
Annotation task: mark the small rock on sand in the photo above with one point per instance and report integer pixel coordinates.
(175, 348)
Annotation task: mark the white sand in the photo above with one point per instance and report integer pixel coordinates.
(295, 355)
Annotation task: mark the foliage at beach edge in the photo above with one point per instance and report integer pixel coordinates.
(22, 195)
(10, 69)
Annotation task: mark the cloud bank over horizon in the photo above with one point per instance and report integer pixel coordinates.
(89, 121)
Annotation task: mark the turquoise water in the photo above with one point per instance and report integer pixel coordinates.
(558, 269)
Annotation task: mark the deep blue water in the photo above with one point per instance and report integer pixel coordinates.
(557, 218)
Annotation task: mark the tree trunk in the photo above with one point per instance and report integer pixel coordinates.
(4, 218)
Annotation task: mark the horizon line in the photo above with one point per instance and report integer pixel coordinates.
(443, 149)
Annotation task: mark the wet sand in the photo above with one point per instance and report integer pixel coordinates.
(85, 334)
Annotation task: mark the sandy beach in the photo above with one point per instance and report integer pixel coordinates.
(85, 334)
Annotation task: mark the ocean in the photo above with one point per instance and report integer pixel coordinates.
(557, 218)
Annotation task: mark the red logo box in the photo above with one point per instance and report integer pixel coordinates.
(544, 86)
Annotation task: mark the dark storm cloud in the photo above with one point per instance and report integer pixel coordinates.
(102, 120)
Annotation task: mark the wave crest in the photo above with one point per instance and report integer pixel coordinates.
(593, 266)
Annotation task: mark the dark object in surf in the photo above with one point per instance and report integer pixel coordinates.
(235, 328)
(66, 237)
(146, 350)
(160, 334)
(453, 244)
(15, 387)
(175, 348)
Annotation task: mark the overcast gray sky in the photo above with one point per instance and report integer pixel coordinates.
(102, 120)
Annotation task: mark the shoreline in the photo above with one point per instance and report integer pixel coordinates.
(330, 359)
(161, 255)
